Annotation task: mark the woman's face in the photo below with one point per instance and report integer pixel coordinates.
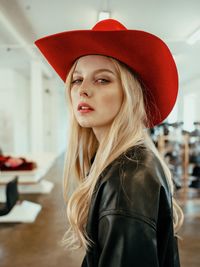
(95, 82)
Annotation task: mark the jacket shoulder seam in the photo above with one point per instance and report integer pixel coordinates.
(132, 215)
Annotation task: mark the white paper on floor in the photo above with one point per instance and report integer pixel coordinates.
(25, 212)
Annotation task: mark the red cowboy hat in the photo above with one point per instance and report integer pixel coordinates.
(143, 52)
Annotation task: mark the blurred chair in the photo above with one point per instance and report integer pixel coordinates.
(12, 196)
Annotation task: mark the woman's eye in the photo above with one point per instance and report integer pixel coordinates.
(103, 81)
(76, 81)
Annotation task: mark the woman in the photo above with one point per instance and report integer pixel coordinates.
(119, 83)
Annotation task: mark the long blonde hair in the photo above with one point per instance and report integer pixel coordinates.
(80, 177)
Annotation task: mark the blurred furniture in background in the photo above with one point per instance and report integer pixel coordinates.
(30, 181)
(181, 151)
(12, 197)
(42, 163)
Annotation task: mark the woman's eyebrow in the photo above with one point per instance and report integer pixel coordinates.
(104, 70)
(96, 71)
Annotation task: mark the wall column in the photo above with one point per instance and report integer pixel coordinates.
(36, 108)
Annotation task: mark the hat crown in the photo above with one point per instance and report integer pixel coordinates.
(109, 25)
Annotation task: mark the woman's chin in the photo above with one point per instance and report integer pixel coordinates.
(85, 124)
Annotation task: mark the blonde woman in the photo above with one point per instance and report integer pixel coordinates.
(119, 82)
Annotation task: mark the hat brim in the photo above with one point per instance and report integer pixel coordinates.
(143, 52)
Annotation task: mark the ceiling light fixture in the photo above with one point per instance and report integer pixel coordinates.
(194, 37)
(103, 15)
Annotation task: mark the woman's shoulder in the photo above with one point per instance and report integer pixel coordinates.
(142, 164)
(133, 185)
(137, 164)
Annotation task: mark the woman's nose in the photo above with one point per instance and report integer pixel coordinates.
(85, 90)
(84, 93)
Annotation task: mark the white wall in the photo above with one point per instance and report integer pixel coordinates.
(15, 109)
(190, 104)
(55, 115)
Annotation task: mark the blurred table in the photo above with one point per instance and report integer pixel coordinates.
(44, 162)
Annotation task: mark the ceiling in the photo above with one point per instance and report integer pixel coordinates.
(24, 21)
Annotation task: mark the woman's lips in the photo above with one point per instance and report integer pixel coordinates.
(83, 105)
(85, 110)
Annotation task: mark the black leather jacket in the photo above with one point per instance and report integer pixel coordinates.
(130, 216)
